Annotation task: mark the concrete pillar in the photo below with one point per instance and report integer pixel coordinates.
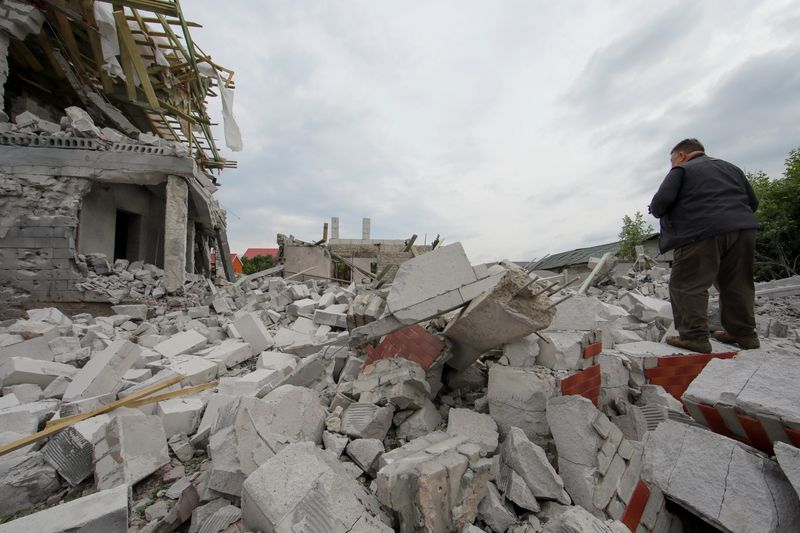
(3, 72)
(175, 230)
(334, 228)
(365, 223)
(190, 233)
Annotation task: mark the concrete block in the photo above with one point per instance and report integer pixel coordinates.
(181, 343)
(302, 481)
(397, 381)
(132, 448)
(728, 484)
(23, 393)
(305, 306)
(230, 352)
(564, 351)
(104, 371)
(335, 443)
(256, 383)
(19, 370)
(480, 428)
(196, 370)
(333, 315)
(106, 511)
(135, 311)
(522, 352)
(35, 348)
(253, 331)
(367, 420)
(518, 397)
(180, 415)
(645, 308)
(284, 362)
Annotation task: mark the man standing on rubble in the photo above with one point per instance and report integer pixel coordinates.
(706, 209)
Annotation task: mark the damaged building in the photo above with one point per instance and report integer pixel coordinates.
(346, 259)
(107, 160)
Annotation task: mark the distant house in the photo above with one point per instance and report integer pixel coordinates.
(577, 260)
(235, 261)
(250, 253)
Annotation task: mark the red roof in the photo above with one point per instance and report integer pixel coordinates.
(214, 258)
(252, 252)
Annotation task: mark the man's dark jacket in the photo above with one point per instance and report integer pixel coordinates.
(702, 198)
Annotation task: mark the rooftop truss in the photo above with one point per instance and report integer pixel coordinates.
(170, 99)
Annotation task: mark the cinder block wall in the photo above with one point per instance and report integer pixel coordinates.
(38, 229)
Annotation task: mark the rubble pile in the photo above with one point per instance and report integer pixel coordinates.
(460, 398)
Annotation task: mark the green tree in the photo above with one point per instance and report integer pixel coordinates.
(778, 241)
(634, 232)
(256, 264)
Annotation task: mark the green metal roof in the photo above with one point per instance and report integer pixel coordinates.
(577, 256)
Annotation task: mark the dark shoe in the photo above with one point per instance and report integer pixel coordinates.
(746, 343)
(695, 344)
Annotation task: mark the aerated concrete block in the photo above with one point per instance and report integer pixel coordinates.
(105, 511)
(230, 352)
(253, 331)
(132, 448)
(104, 371)
(181, 343)
(480, 428)
(518, 397)
(180, 415)
(19, 370)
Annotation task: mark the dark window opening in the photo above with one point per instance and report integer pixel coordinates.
(127, 236)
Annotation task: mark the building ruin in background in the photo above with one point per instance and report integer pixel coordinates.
(106, 150)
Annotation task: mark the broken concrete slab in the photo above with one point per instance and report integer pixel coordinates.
(758, 383)
(530, 462)
(135, 311)
(646, 308)
(494, 511)
(522, 352)
(366, 453)
(728, 484)
(788, 458)
(518, 397)
(104, 371)
(132, 448)
(181, 343)
(420, 422)
(303, 483)
(508, 312)
(577, 519)
(433, 482)
(104, 511)
(480, 428)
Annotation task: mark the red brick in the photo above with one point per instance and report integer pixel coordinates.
(755, 433)
(794, 435)
(592, 350)
(714, 419)
(412, 342)
(633, 512)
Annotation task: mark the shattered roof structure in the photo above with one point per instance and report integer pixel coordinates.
(136, 55)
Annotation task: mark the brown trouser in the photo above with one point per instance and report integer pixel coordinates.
(726, 261)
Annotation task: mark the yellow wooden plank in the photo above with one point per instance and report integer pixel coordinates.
(19, 48)
(126, 38)
(65, 29)
(54, 426)
(173, 394)
(97, 50)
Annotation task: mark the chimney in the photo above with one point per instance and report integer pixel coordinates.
(365, 229)
(334, 228)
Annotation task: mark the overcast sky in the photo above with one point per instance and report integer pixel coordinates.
(516, 127)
